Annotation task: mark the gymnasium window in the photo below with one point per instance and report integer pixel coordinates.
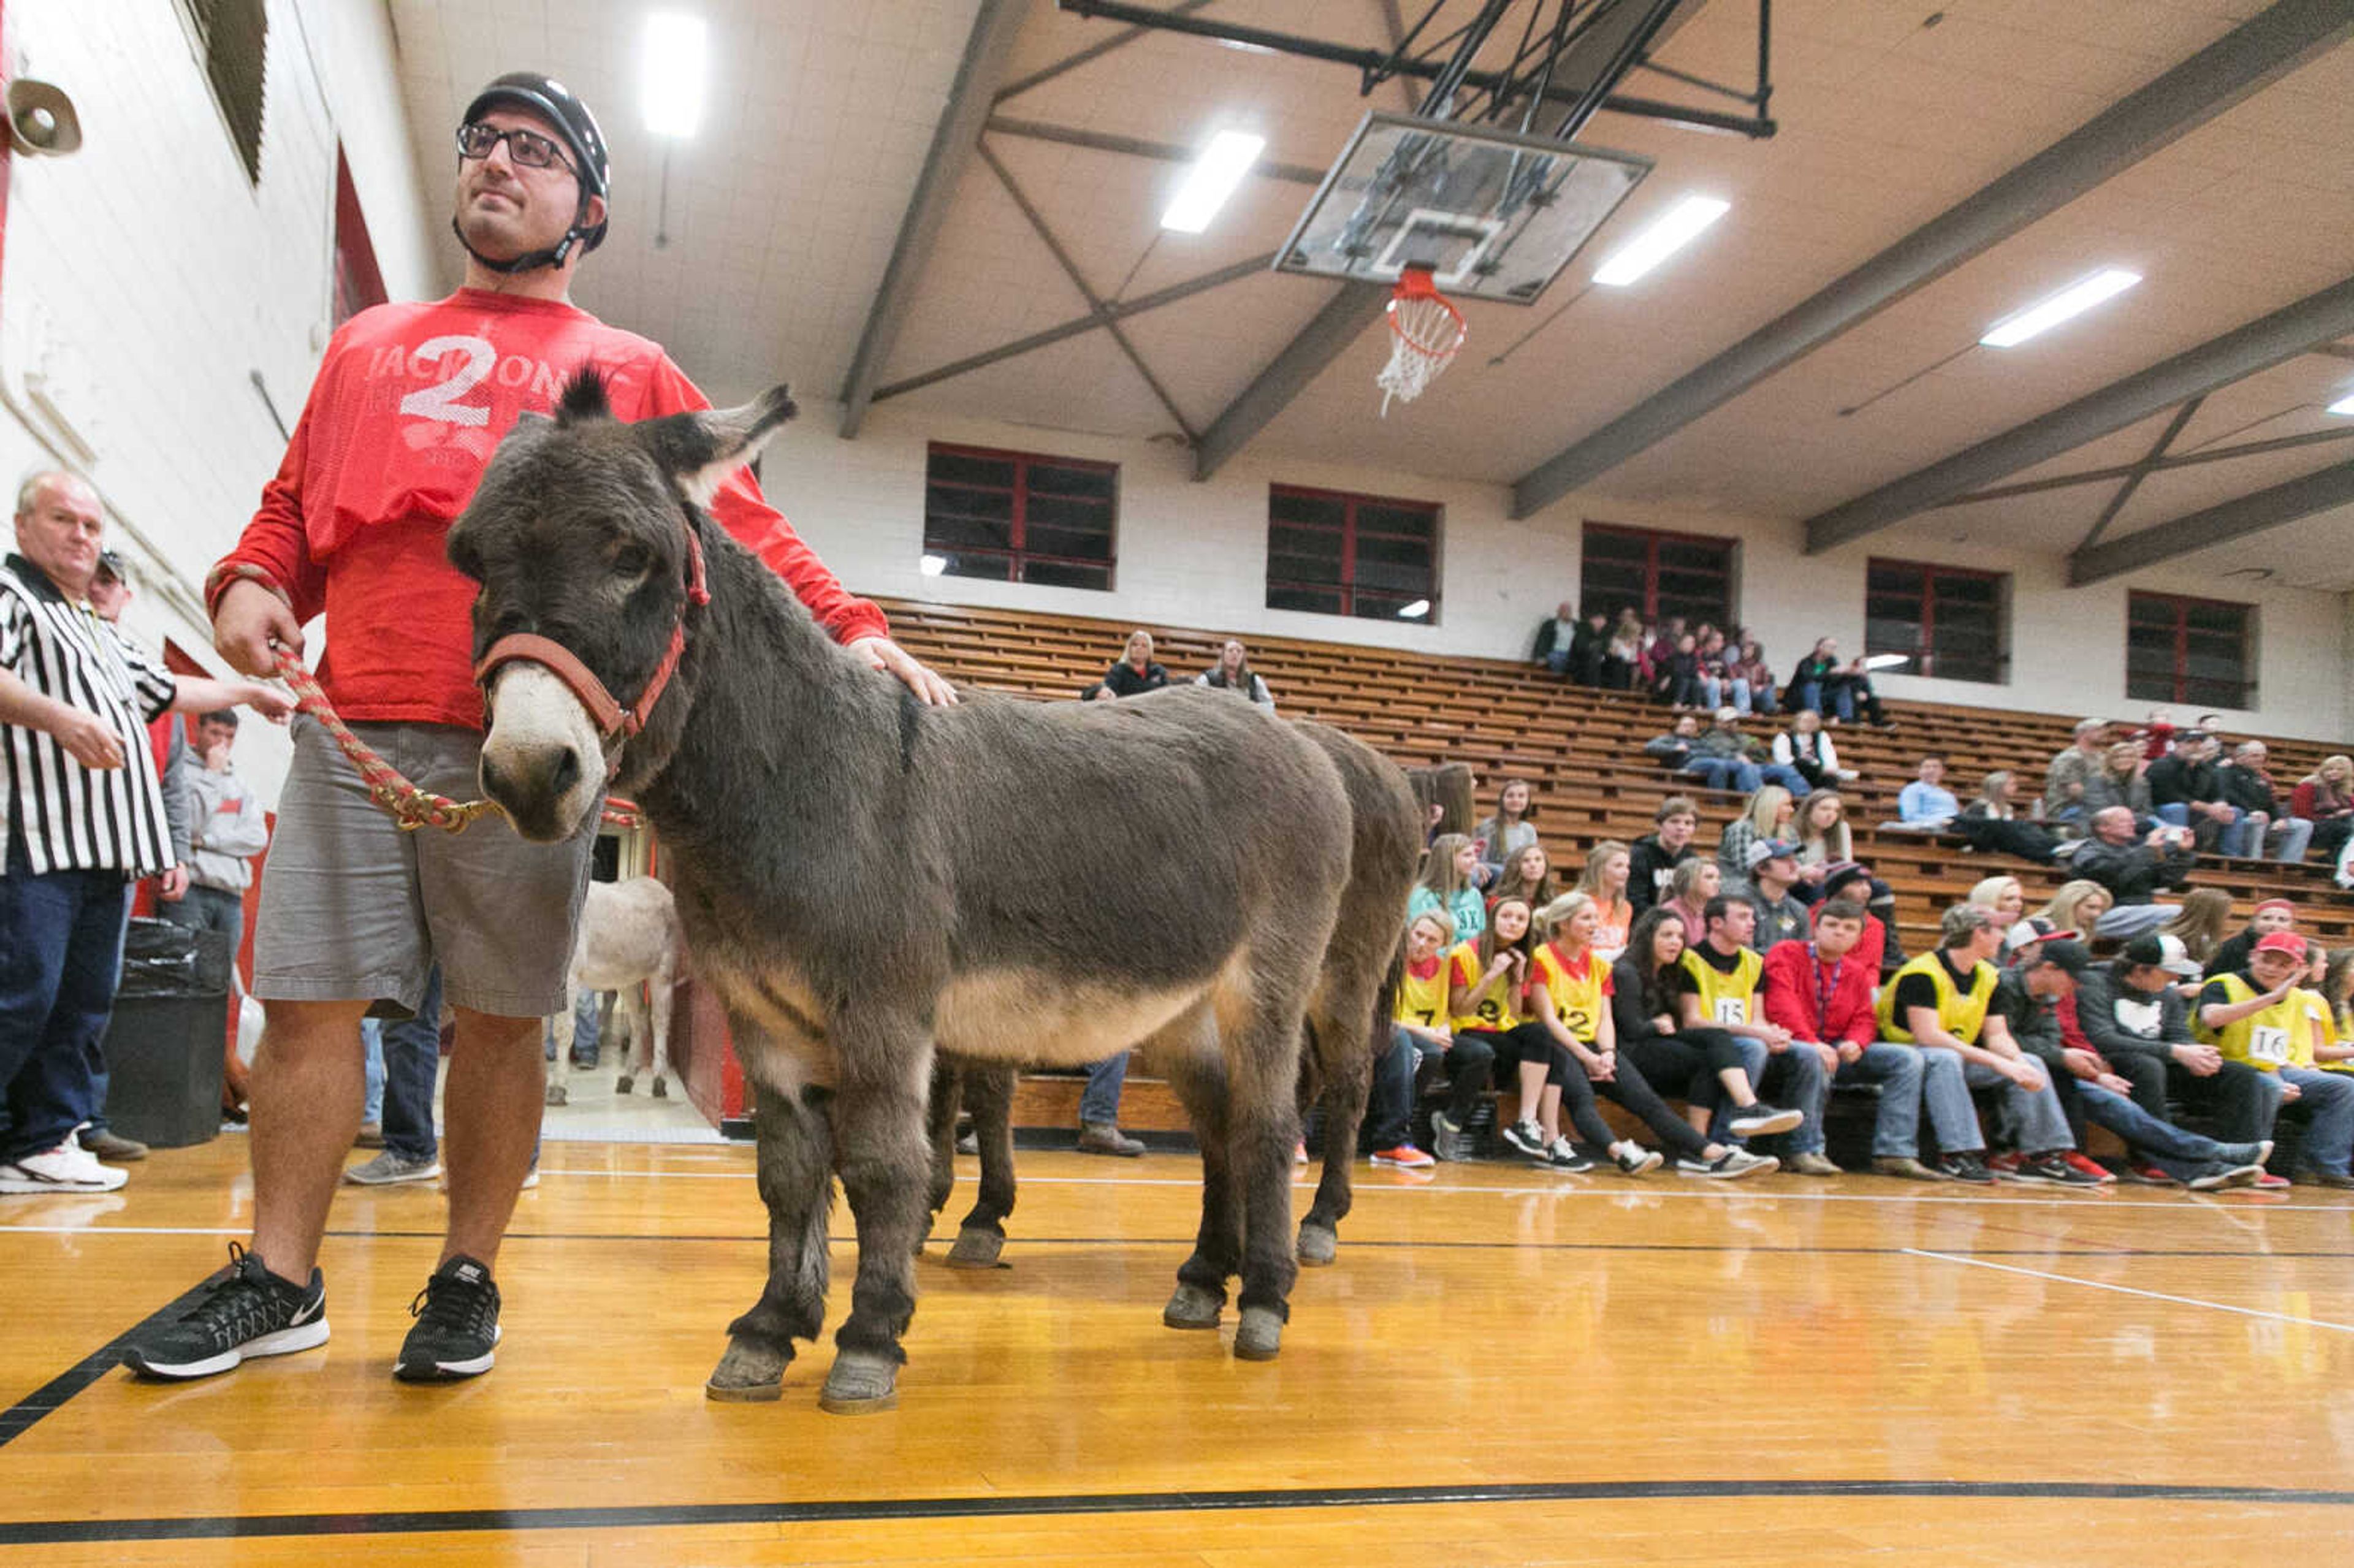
(358, 283)
(1020, 517)
(232, 43)
(1947, 621)
(2193, 651)
(1659, 574)
(1372, 557)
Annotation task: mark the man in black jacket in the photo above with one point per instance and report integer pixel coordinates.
(2133, 868)
(2248, 788)
(2186, 790)
(2132, 1015)
(1654, 857)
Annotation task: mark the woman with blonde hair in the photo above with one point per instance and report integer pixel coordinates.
(1689, 887)
(1608, 866)
(2325, 798)
(2206, 911)
(1821, 829)
(2078, 907)
(1447, 883)
(1767, 816)
(2005, 895)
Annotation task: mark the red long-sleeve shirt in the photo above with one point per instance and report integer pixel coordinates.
(1825, 1004)
(407, 405)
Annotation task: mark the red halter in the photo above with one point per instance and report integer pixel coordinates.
(614, 721)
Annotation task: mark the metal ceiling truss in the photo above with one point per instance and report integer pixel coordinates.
(2256, 53)
(2321, 490)
(2172, 460)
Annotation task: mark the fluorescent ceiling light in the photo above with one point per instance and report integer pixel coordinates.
(677, 64)
(933, 566)
(1674, 229)
(2074, 299)
(2343, 406)
(1415, 610)
(1885, 660)
(1215, 176)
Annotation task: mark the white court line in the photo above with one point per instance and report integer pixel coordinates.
(2130, 1290)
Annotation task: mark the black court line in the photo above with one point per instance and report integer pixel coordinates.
(242, 1527)
(20, 1417)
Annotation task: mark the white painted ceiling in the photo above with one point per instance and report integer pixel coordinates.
(779, 217)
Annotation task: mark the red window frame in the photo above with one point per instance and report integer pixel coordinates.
(1924, 652)
(1017, 555)
(1652, 538)
(1351, 530)
(2180, 687)
(359, 282)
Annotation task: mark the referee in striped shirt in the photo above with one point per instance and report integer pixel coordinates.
(85, 821)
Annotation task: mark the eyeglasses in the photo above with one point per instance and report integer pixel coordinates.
(528, 149)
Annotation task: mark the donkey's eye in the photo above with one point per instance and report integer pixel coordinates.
(632, 560)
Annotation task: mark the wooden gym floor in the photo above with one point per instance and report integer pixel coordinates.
(1506, 1367)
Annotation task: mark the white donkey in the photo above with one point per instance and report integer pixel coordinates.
(628, 933)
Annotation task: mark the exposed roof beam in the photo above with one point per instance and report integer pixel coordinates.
(2302, 497)
(986, 53)
(2141, 471)
(2252, 55)
(2281, 335)
(1092, 52)
(2191, 459)
(1340, 323)
(1139, 147)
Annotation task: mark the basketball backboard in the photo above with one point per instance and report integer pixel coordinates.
(1493, 216)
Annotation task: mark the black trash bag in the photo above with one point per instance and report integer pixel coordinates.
(160, 958)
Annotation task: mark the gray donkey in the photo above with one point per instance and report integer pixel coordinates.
(864, 879)
(1348, 1023)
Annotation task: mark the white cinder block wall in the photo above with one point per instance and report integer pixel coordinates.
(1195, 555)
(147, 282)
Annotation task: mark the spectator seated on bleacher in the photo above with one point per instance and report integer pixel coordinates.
(1657, 853)
(1675, 676)
(1823, 831)
(1770, 890)
(1571, 991)
(1719, 683)
(2206, 911)
(1487, 980)
(2118, 781)
(1768, 814)
(1674, 749)
(2185, 789)
(1748, 666)
(1609, 866)
(1717, 989)
(2003, 895)
(2070, 772)
(1133, 672)
(2263, 1017)
(1510, 830)
(1925, 805)
(2076, 906)
(1837, 691)
(2133, 867)
(1420, 1031)
(1448, 871)
(1706, 1067)
(2325, 798)
(1820, 991)
(1942, 1003)
(2344, 875)
(1233, 673)
(1808, 751)
(1992, 823)
(1527, 875)
(1877, 948)
(2231, 955)
(1622, 656)
(1691, 887)
(2248, 787)
(1725, 759)
(2132, 1013)
(1557, 636)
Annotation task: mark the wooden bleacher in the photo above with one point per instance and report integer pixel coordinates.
(1582, 749)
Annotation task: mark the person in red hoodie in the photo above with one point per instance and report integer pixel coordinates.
(409, 404)
(1821, 992)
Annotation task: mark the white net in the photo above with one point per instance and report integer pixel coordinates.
(1425, 332)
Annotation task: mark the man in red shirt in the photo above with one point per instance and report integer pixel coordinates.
(409, 404)
(1821, 992)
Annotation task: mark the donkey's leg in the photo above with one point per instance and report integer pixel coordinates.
(796, 1166)
(1187, 1054)
(657, 1001)
(989, 1093)
(940, 1130)
(878, 1131)
(1347, 1069)
(622, 1024)
(1261, 1039)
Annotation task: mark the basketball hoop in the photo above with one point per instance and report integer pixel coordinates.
(1425, 332)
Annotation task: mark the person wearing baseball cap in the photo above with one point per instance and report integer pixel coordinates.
(2031, 932)
(2041, 979)
(2046, 979)
(1773, 867)
(2263, 1017)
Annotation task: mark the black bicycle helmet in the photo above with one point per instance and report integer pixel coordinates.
(556, 104)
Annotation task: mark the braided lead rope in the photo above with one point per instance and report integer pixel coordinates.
(409, 807)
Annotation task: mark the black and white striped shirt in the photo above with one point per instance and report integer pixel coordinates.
(72, 818)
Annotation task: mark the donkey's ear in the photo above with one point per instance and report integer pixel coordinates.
(701, 449)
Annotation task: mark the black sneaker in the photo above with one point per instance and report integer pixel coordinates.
(457, 1330)
(248, 1312)
(1758, 1120)
(1967, 1167)
(2054, 1169)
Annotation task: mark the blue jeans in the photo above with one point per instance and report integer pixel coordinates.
(1558, 661)
(1099, 1102)
(1787, 777)
(587, 1029)
(2126, 921)
(2180, 1154)
(60, 959)
(1809, 694)
(2039, 1125)
(412, 1055)
(1897, 1128)
(1713, 689)
(1799, 1081)
(2330, 1136)
(1724, 773)
(2243, 837)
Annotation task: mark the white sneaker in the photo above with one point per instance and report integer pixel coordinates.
(68, 1168)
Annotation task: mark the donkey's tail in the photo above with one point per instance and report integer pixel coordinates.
(1385, 997)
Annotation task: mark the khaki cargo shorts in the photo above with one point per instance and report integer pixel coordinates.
(354, 909)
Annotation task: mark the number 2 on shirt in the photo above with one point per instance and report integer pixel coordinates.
(440, 401)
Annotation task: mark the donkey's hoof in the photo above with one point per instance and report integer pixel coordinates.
(1319, 1245)
(976, 1248)
(1259, 1335)
(662, 1088)
(748, 1374)
(625, 1086)
(1191, 1307)
(555, 1095)
(861, 1383)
